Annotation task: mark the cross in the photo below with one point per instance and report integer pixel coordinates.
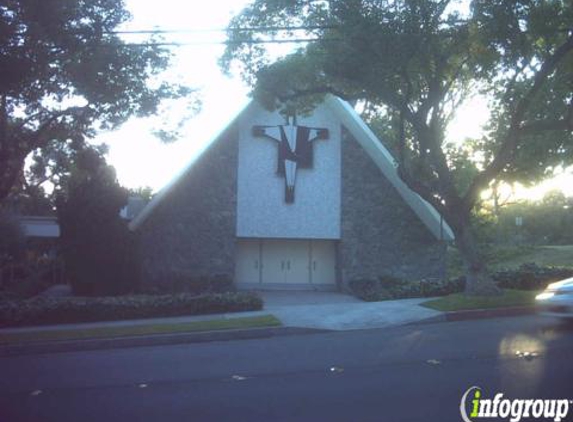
(294, 149)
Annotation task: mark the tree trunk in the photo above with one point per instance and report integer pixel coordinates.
(11, 159)
(478, 281)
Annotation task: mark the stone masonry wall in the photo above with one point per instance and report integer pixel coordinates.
(381, 235)
(191, 233)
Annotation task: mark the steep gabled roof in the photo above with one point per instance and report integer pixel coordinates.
(373, 147)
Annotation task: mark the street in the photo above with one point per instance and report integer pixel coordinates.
(407, 373)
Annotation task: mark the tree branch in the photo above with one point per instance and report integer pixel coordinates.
(3, 118)
(51, 116)
(298, 93)
(547, 125)
(39, 136)
(513, 80)
(401, 141)
(509, 144)
(423, 190)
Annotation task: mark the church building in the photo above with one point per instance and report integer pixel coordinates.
(305, 202)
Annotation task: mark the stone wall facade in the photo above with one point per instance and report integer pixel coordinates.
(381, 235)
(192, 231)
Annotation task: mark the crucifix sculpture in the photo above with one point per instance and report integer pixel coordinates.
(294, 149)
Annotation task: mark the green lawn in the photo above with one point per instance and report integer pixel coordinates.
(510, 257)
(556, 256)
(137, 330)
(459, 301)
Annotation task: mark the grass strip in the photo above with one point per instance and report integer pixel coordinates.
(137, 330)
(460, 302)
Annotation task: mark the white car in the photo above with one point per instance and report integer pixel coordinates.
(557, 299)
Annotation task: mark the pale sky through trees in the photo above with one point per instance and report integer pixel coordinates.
(142, 160)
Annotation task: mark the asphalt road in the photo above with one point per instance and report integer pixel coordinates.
(408, 373)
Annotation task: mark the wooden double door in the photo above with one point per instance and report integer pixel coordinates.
(285, 261)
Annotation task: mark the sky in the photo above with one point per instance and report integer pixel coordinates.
(142, 160)
(139, 157)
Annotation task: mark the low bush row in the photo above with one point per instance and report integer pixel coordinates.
(526, 277)
(531, 277)
(40, 310)
(22, 281)
(387, 288)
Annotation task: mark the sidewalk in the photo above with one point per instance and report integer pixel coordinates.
(315, 310)
(299, 313)
(337, 311)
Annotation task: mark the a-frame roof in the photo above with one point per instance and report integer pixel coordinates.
(373, 147)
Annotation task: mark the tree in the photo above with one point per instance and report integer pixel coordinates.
(65, 74)
(98, 248)
(413, 62)
(143, 192)
(30, 200)
(12, 238)
(48, 167)
(546, 221)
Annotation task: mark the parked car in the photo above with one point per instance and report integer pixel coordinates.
(557, 299)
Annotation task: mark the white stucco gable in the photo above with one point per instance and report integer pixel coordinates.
(263, 211)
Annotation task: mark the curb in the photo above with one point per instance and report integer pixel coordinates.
(489, 313)
(471, 314)
(57, 346)
(430, 320)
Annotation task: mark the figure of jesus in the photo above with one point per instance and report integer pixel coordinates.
(294, 149)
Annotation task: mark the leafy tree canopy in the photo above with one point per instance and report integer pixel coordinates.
(65, 74)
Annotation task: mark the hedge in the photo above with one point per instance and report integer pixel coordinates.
(531, 277)
(45, 310)
(526, 277)
(387, 287)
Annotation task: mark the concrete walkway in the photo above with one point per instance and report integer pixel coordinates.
(337, 311)
(297, 309)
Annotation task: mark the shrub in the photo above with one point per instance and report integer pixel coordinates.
(27, 284)
(182, 283)
(12, 238)
(526, 277)
(42, 310)
(436, 287)
(29, 277)
(99, 250)
(388, 287)
(530, 277)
